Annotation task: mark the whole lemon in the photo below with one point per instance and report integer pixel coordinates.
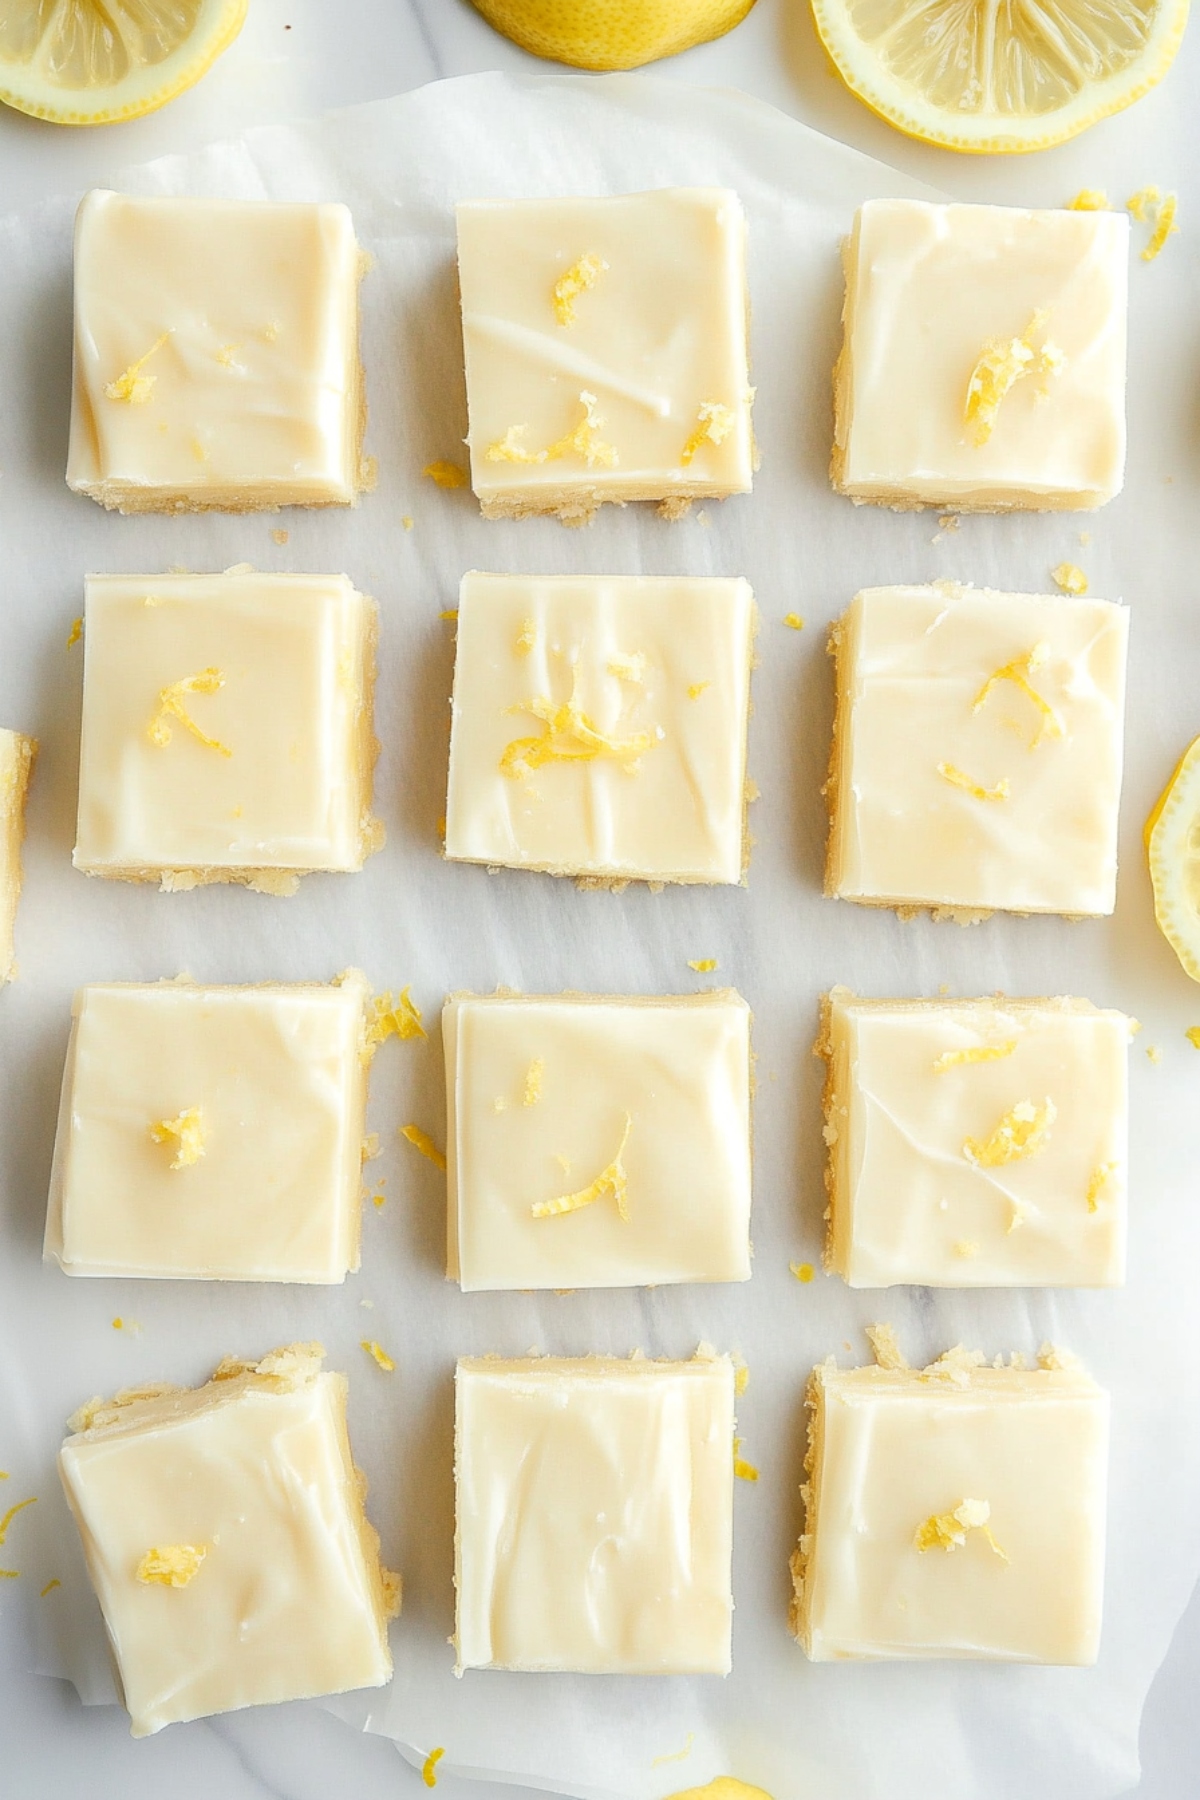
(611, 34)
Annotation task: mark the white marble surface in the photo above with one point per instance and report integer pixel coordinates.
(297, 58)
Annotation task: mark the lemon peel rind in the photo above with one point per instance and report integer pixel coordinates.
(155, 94)
(890, 98)
(1164, 835)
(554, 45)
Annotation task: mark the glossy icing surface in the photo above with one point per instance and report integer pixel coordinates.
(226, 727)
(978, 750)
(599, 725)
(918, 1090)
(594, 1515)
(216, 354)
(928, 287)
(278, 1079)
(896, 1449)
(542, 1091)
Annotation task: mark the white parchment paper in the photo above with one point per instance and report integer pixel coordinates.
(908, 1732)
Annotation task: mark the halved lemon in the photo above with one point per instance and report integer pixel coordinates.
(999, 75)
(1173, 850)
(611, 34)
(93, 62)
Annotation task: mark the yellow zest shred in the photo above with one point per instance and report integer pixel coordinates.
(134, 387)
(745, 1471)
(1151, 202)
(429, 1766)
(949, 772)
(977, 1053)
(611, 1180)
(1154, 1052)
(449, 613)
(570, 736)
(378, 1354)
(394, 1015)
(1018, 672)
(186, 1133)
(1070, 578)
(445, 474)
(1098, 1183)
(171, 1565)
(628, 668)
(1022, 1132)
(714, 423)
(421, 1140)
(1089, 200)
(741, 1377)
(533, 1081)
(585, 441)
(407, 521)
(226, 354)
(526, 637)
(802, 1271)
(10, 1574)
(11, 1514)
(50, 1587)
(581, 276)
(675, 1755)
(1002, 363)
(379, 1201)
(704, 965)
(75, 633)
(948, 1531)
(1192, 1034)
(794, 621)
(696, 688)
(171, 706)
(966, 1248)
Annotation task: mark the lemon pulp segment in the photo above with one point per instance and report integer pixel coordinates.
(1173, 850)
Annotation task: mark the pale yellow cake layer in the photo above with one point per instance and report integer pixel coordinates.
(225, 1537)
(976, 1143)
(957, 1511)
(17, 755)
(606, 350)
(593, 1519)
(930, 290)
(212, 1133)
(216, 355)
(599, 726)
(227, 728)
(977, 750)
(594, 1141)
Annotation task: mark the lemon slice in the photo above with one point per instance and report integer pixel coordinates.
(611, 34)
(980, 76)
(1173, 850)
(91, 62)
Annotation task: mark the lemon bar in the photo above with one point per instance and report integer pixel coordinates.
(17, 755)
(216, 355)
(606, 350)
(595, 1141)
(977, 751)
(212, 1133)
(227, 729)
(599, 726)
(955, 1511)
(983, 362)
(976, 1143)
(225, 1536)
(593, 1520)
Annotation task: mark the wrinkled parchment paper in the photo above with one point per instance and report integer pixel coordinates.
(904, 1732)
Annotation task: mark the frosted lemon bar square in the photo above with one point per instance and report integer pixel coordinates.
(599, 726)
(593, 1519)
(227, 729)
(216, 355)
(225, 1536)
(597, 1142)
(606, 350)
(983, 364)
(956, 1511)
(977, 751)
(976, 1143)
(212, 1132)
(17, 755)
